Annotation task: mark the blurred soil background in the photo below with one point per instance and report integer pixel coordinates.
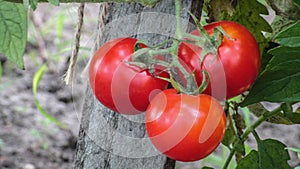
(28, 140)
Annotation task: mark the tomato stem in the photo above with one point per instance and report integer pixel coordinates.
(179, 33)
(180, 77)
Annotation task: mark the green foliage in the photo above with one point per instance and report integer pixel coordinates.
(13, 28)
(246, 12)
(289, 37)
(258, 110)
(250, 161)
(35, 83)
(271, 154)
(54, 2)
(207, 168)
(33, 4)
(297, 2)
(280, 80)
(229, 136)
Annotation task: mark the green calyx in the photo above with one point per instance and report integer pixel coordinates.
(167, 58)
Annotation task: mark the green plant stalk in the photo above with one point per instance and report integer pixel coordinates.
(179, 33)
(249, 130)
(191, 87)
(146, 59)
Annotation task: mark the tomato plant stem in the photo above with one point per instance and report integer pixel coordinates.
(179, 33)
(249, 130)
(181, 78)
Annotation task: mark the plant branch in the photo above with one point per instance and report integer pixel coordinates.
(179, 33)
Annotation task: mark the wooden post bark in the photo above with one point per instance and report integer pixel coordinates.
(108, 140)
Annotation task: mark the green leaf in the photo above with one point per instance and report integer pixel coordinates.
(13, 28)
(280, 81)
(35, 83)
(297, 2)
(219, 9)
(229, 137)
(289, 37)
(258, 110)
(248, 13)
(250, 161)
(54, 2)
(293, 117)
(286, 8)
(205, 167)
(272, 154)
(33, 4)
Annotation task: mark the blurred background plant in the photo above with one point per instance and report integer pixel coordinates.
(34, 98)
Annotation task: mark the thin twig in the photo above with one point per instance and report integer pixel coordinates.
(71, 69)
(39, 38)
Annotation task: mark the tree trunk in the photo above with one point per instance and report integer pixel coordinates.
(108, 140)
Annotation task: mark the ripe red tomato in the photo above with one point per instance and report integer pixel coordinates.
(185, 127)
(119, 86)
(236, 66)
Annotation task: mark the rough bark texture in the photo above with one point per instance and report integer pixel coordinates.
(108, 140)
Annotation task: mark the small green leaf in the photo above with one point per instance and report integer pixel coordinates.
(33, 4)
(258, 110)
(272, 154)
(240, 148)
(35, 83)
(13, 28)
(297, 2)
(205, 167)
(294, 117)
(250, 161)
(289, 37)
(280, 81)
(54, 2)
(229, 137)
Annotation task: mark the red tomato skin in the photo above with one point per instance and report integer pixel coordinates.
(121, 87)
(185, 127)
(236, 67)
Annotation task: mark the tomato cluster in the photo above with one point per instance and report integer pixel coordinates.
(184, 127)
